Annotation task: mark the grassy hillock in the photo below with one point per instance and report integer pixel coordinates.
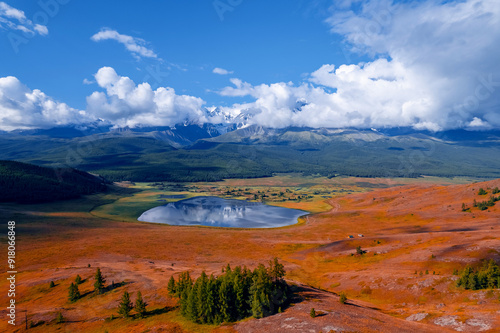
(27, 183)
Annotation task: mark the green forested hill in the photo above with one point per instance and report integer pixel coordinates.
(27, 183)
(258, 152)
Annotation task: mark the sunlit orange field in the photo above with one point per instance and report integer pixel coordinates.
(415, 235)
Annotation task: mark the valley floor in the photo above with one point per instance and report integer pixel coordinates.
(414, 232)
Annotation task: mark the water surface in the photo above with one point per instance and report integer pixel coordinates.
(218, 212)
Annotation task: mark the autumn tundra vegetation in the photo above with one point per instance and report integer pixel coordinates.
(112, 273)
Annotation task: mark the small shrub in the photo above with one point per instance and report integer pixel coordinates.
(313, 313)
(482, 191)
(52, 284)
(59, 318)
(343, 298)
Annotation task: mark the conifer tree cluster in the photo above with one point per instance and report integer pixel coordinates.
(488, 276)
(126, 306)
(483, 205)
(234, 295)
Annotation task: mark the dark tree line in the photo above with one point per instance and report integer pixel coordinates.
(236, 294)
(27, 183)
(487, 276)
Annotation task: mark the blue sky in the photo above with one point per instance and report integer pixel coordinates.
(260, 41)
(427, 64)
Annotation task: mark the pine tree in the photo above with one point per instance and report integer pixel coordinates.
(313, 313)
(52, 284)
(240, 299)
(99, 282)
(192, 304)
(73, 293)
(257, 310)
(171, 286)
(184, 295)
(464, 277)
(59, 318)
(125, 305)
(78, 279)
(212, 301)
(276, 270)
(226, 299)
(202, 297)
(473, 283)
(492, 274)
(140, 305)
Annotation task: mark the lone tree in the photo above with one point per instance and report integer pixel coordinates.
(99, 282)
(73, 293)
(125, 305)
(78, 279)
(359, 251)
(171, 286)
(313, 313)
(140, 305)
(59, 318)
(52, 285)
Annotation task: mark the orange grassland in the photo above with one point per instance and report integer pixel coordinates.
(414, 236)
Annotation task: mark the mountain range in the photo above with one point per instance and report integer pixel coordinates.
(196, 152)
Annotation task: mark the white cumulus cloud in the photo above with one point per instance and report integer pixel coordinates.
(23, 108)
(126, 104)
(134, 45)
(436, 68)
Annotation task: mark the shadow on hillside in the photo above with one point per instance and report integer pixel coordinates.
(109, 288)
(160, 311)
(302, 293)
(114, 285)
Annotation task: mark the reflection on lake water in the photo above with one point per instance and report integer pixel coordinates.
(217, 212)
